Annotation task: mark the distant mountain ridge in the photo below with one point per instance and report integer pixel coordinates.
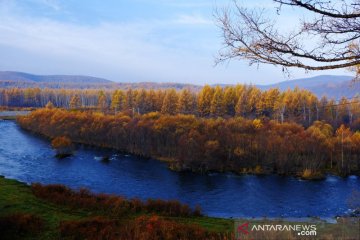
(324, 85)
(332, 86)
(10, 79)
(310, 82)
(27, 77)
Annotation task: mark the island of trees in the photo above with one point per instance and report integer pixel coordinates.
(239, 129)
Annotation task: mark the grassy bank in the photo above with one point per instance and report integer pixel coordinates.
(8, 118)
(56, 212)
(18, 199)
(12, 114)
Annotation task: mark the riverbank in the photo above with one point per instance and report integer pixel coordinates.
(12, 114)
(34, 211)
(219, 195)
(18, 204)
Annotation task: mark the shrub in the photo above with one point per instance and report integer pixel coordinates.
(141, 228)
(155, 227)
(96, 228)
(20, 224)
(110, 204)
(307, 173)
(311, 175)
(63, 146)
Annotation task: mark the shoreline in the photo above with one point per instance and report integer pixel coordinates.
(330, 220)
(184, 143)
(327, 219)
(320, 176)
(13, 114)
(169, 163)
(21, 201)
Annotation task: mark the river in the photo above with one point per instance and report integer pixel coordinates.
(29, 158)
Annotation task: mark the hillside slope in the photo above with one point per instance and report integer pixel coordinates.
(324, 85)
(331, 86)
(27, 77)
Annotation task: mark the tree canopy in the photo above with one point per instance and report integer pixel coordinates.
(327, 37)
(202, 144)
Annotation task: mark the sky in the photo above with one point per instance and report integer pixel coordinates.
(128, 41)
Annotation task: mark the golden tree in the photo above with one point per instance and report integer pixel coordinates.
(63, 146)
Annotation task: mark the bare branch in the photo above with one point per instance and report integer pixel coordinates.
(247, 34)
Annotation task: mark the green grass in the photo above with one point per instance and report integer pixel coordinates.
(16, 197)
(8, 117)
(212, 224)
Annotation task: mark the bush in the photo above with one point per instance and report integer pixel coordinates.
(110, 204)
(155, 227)
(141, 228)
(63, 146)
(309, 174)
(96, 228)
(19, 225)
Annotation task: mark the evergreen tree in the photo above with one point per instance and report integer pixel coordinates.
(204, 101)
(75, 102)
(170, 102)
(217, 107)
(117, 101)
(186, 102)
(230, 101)
(102, 101)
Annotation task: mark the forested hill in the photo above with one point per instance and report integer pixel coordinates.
(324, 85)
(331, 86)
(10, 79)
(27, 77)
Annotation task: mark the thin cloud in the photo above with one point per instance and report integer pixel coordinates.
(179, 49)
(53, 4)
(193, 20)
(122, 49)
(183, 3)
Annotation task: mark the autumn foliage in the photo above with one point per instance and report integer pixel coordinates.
(112, 217)
(110, 205)
(155, 227)
(16, 226)
(141, 228)
(208, 144)
(62, 145)
(95, 228)
(298, 105)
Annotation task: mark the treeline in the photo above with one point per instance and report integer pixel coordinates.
(296, 105)
(84, 84)
(37, 98)
(208, 144)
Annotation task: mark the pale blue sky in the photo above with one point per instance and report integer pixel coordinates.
(126, 40)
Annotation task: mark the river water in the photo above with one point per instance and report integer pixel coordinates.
(29, 158)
